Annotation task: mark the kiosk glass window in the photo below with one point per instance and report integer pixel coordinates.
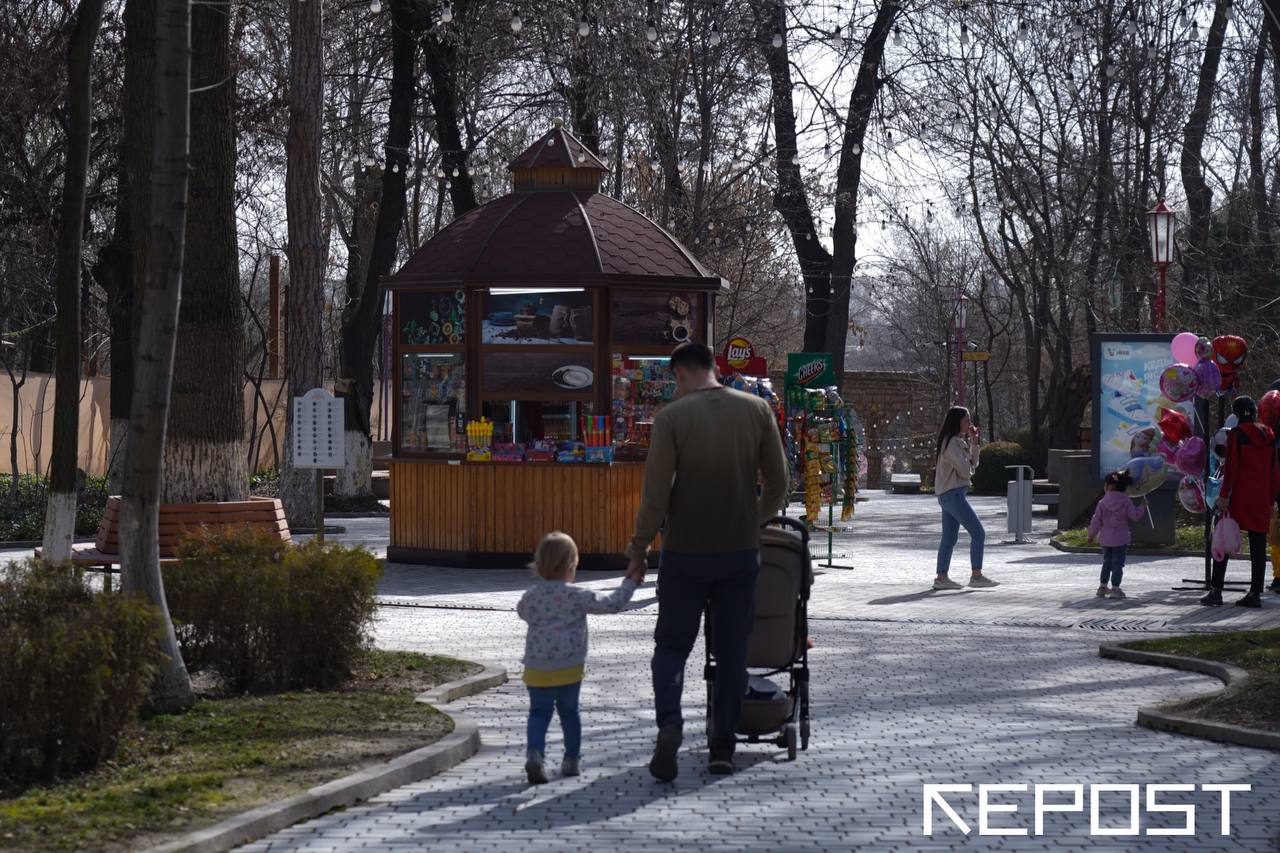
(432, 403)
(528, 316)
(523, 421)
(642, 385)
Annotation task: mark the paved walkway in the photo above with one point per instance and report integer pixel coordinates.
(910, 687)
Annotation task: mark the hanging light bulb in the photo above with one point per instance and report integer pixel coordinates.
(1131, 25)
(795, 159)
(1195, 30)
(777, 39)
(1151, 51)
(1077, 29)
(395, 167)
(1230, 12)
(1111, 69)
(855, 149)
(371, 162)
(455, 171)
(440, 174)
(651, 31)
(516, 23)
(471, 173)
(448, 184)
(375, 6)
(584, 26)
(1021, 35)
(714, 40)
(837, 40)
(1182, 16)
(897, 36)
(964, 35)
(1071, 83)
(446, 13)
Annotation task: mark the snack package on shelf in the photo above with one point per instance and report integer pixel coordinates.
(540, 450)
(480, 440)
(508, 452)
(571, 451)
(849, 459)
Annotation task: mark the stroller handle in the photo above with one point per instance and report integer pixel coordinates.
(790, 523)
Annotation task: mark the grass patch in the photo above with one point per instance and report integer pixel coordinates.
(1257, 705)
(1186, 538)
(229, 754)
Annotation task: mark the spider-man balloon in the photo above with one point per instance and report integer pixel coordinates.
(1229, 351)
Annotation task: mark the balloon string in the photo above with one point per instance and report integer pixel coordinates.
(1150, 520)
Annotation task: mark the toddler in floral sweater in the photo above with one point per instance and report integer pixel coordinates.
(555, 648)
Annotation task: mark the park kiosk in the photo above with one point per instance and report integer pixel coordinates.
(530, 344)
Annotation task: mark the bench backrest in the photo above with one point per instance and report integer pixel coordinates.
(178, 520)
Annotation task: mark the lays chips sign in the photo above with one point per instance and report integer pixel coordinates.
(738, 352)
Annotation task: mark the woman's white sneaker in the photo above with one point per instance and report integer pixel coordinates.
(982, 582)
(946, 583)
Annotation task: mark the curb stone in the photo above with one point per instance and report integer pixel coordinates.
(491, 676)
(1160, 720)
(1132, 551)
(452, 749)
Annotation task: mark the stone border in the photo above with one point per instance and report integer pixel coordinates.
(452, 749)
(1132, 551)
(1160, 720)
(491, 676)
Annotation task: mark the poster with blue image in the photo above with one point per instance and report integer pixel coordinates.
(1127, 396)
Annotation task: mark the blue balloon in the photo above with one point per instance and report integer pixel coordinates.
(1212, 488)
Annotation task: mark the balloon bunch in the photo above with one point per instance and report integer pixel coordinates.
(1216, 363)
(1180, 381)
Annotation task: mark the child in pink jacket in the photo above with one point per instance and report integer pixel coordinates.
(1110, 527)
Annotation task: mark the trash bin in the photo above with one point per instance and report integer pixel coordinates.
(1020, 502)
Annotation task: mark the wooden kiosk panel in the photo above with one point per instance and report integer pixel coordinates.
(494, 513)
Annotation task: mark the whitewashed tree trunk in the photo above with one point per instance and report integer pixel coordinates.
(157, 333)
(356, 479)
(60, 512)
(304, 298)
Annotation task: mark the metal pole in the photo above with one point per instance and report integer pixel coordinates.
(1159, 307)
(959, 346)
(320, 505)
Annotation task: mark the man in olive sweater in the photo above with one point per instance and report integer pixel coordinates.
(708, 450)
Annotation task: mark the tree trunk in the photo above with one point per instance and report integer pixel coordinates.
(114, 274)
(60, 514)
(442, 62)
(304, 298)
(1195, 247)
(844, 235)
(791, 200)
(204, 454)
(157, 333)
(362, 322)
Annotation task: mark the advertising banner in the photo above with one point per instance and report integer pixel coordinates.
(1126, 393)
(810, 370)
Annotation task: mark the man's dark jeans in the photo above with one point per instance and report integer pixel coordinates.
(687, 583)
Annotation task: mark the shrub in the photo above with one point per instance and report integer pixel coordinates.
(991, 476)
(75, 667)
(22, 509)
(266, 616)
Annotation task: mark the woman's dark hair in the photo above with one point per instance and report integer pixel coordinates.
(1245, 410)
(1121, 479)
(950, 426)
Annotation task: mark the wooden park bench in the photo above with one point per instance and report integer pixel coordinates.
(177, 521)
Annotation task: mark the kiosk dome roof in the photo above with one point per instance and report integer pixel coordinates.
(556, 225)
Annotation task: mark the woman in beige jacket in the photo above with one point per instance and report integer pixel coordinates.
(957, 459)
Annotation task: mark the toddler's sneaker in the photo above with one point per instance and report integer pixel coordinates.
(535, 769)
(1117, 592)
(1102, 592)
(982, 582)
(570, 767)
(945, 583)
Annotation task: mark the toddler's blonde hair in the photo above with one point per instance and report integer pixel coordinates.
(556, 556)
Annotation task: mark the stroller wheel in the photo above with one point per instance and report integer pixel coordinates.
(790, 734)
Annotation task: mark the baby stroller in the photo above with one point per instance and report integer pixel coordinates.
(779, 642)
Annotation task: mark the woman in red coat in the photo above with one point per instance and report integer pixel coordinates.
(1250, 486)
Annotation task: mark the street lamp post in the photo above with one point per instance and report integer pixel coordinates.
(960, 347)
(1160, 221)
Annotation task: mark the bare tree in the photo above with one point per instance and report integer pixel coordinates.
(157, 334)
(60, 513)
(304, 299)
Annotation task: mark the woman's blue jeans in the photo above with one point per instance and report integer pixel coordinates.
(957, 513)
